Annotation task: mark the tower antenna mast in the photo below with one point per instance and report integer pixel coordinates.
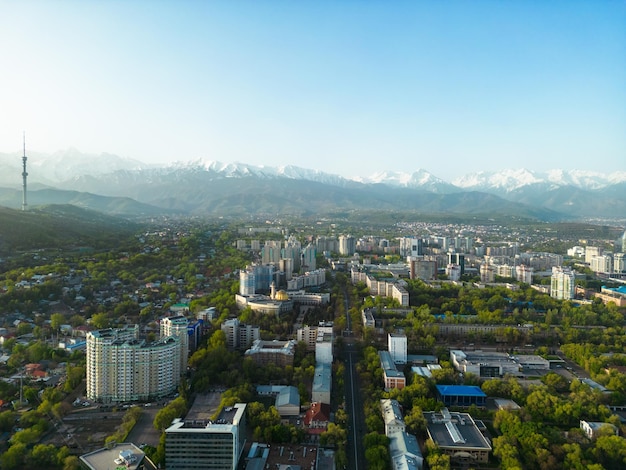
(24, 175)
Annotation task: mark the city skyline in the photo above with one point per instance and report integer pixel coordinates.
(348, 88)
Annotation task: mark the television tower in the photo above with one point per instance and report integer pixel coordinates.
(24, 175)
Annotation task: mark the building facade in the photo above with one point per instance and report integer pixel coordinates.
(206, 444)
(120, 367)
(562, 283)
(177, 326)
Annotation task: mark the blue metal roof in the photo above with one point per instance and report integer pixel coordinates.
(464, 390)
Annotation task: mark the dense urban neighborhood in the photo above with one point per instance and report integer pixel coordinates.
(314, 343)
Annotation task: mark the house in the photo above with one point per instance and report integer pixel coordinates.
(595, 429)
(317, 417)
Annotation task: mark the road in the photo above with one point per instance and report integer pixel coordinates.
(354, 408)
(354, 403)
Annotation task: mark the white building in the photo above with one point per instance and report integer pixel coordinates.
(347, 245)
(592, 251)
(562, 285)
(392, 417)
(602, 264)
(120, 367)
(322, 384)
(453, 271)
(524, 273)
(397, 346)
(177, 326)
(324, 346)
(595, 429)
(240, 335)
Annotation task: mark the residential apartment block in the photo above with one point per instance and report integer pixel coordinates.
(177, 326)
(240, 335)
(562, 285)
(121, 367)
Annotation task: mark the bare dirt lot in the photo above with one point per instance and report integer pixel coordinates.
(84, 430)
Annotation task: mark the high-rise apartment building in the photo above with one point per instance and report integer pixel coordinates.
(177, 326)
(619, 263)
(347, 245)
(309, 262)
(524, 273)
(602, 263)
(121, 367)
(326, 244)
(487, 272)
(247, 282)
(410, 247)
(256, 277)
(271, 252)
(206, 444)
(562, 284)
(240, 335)
(292, 250)
(458, 259)
(591, 251)
(424, 269)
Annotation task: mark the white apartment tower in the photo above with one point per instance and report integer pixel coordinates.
(270, 253)
(247, 282)
(602, 264)
(562, 284)
(347, 245)
(487, 273)
(524, 273)
(308, 258)
(410, 247)
(591, 251)
(397, 345)
(619, 263)
(240, 335)
(120, 367)
(177, 326)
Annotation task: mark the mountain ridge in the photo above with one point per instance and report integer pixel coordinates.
(194, 185)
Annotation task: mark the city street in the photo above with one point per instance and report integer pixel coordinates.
(354, 408)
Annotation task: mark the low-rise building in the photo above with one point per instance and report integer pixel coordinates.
(392, 416)
(457, 435)
(392, 377)
(287, 398)
(461, 395)
(122, 455)
(595, 429)
(317, 418)
(280, 353)
(495, 364)
(322, 383)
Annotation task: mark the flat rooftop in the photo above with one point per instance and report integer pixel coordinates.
(455, 430)
(105, 459)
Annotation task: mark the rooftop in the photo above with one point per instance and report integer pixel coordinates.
(126, 455)
(465, 390)
(455, 430)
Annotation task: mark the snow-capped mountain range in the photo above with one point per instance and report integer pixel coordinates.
(191, 185)
(71, 164)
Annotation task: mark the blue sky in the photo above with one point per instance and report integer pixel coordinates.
(347, 87)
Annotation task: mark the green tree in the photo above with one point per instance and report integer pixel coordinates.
(14, 457)
(164, 417)
(100, 320)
